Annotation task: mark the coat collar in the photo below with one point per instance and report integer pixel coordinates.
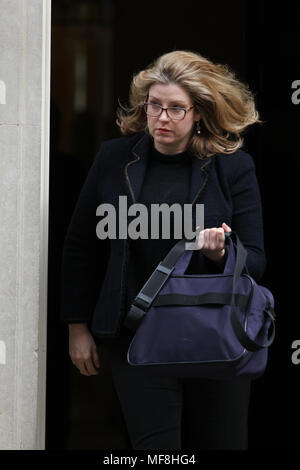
(135, 169)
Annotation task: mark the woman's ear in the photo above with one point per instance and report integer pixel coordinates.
(197, 116)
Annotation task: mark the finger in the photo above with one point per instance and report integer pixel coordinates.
(75, 362)
(84, 370)
(80, 365)
(201, 239)
(209, 238)
(226, 227)
(220, 238)
(90, 367)
(95, 357)
(213, 238)
(206, 239)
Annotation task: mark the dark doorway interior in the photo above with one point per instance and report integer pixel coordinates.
(97, 45)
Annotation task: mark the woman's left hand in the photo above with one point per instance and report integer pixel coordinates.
(212, 242)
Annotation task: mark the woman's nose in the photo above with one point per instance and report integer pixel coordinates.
(164, 115)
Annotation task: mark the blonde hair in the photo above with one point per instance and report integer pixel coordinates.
(226, 105)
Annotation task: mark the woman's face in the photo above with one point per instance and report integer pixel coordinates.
(171, 136)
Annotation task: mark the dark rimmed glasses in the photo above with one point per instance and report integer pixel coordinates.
(173, 112)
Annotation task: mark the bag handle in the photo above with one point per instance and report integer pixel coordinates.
(183, 261)
(239, 331)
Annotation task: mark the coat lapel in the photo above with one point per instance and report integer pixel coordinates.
(199, 176)
(135, 169)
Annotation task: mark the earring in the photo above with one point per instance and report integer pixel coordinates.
(198, 130)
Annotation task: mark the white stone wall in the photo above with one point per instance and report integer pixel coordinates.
(25, 27)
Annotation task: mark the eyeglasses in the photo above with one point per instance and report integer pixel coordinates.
(155, 110)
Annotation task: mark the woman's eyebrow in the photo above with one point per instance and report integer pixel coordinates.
(171, 101)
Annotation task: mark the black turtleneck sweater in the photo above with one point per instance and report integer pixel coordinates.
(167, 180)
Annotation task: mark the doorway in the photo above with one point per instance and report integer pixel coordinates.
(97, 45)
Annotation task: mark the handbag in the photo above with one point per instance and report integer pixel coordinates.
(215, 326)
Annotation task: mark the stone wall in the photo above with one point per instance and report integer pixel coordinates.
(25, 27)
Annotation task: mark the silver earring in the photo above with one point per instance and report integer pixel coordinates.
(198, 130)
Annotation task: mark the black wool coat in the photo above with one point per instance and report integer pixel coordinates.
(93, 272)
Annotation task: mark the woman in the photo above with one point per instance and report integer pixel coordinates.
(181, 144)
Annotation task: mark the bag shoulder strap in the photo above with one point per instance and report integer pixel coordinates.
(153, 285)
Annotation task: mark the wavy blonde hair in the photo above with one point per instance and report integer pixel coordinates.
(226, 105)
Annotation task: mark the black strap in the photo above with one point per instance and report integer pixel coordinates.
(153, 285)
(244, 339)
(241, 300)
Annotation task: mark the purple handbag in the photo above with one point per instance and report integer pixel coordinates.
(216, 326)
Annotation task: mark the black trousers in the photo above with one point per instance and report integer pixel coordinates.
(180, 413)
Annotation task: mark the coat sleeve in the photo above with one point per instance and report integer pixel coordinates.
(84, 256)
(247, 217)
(240, 186)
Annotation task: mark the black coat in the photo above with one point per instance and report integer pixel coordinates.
(93, 282)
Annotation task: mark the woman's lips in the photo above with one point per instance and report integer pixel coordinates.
(163, 130)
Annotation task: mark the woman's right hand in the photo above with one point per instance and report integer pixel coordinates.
(82, 349)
